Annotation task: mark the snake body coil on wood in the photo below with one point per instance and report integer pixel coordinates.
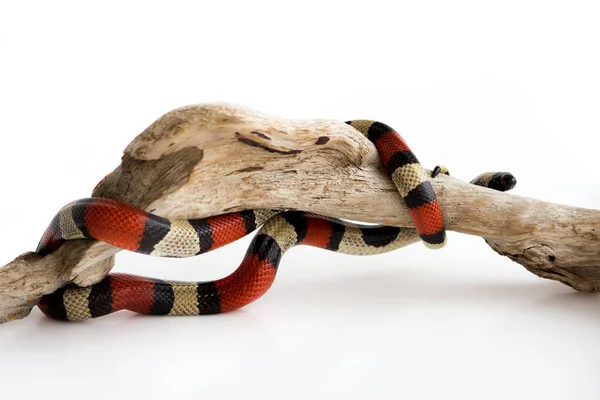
(133, 229)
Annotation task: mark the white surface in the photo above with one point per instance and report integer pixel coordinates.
(478, 87)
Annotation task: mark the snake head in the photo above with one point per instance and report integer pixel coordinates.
(502, 181)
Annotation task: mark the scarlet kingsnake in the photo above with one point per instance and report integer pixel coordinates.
(133, 229)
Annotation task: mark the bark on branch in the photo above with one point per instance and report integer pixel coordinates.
(204, 160)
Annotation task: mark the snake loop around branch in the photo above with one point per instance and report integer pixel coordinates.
(133, 229)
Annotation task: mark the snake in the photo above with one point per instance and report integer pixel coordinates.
(133, 229)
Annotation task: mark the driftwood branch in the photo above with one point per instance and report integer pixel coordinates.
(210, 159)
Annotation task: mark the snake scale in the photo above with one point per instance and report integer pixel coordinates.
(133, 229)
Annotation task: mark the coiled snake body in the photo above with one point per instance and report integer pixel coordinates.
(133, 229)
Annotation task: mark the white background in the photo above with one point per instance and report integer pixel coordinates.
(478, 86)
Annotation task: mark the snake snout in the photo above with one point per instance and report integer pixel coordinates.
(502, 181)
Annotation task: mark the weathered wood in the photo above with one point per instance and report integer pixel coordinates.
(210, 159)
